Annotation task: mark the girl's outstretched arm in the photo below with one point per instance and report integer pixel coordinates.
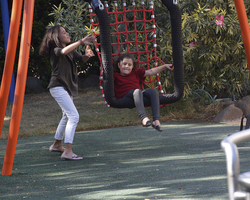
(86, 40)
(157, 70)
(88, 53)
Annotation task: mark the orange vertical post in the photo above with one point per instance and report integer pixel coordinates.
(244, 26)
(10, 57)
(20, 87)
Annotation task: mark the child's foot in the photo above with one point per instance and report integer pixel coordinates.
(71, 157)
(146, 122)
(53, 148)
(156, 125)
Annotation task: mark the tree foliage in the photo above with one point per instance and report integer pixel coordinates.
(214, 54)
(38, 66)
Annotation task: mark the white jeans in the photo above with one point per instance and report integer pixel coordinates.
(70, 115)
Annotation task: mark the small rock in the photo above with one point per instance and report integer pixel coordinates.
(229, 114)
(244, 105)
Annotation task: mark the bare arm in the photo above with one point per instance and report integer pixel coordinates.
(157, 70)
(86, 40)
(89, 53)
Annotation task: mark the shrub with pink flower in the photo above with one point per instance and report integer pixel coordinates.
(192, 44)
(220, 19)
(219, 23)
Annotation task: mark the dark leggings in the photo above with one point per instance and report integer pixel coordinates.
(152, 95)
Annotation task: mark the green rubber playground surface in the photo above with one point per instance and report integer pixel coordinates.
(185, 161)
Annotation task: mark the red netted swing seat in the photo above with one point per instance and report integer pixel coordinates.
(130, 29)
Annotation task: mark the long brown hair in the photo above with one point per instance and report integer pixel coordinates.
(50, 40)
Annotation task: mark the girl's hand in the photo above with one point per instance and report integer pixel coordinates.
(89, 39)
(169, 66)
(89, 52)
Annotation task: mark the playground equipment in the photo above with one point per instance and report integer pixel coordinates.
(236, 180)
(244, 26)
(21, 75)
(6, 24)
(106, 52)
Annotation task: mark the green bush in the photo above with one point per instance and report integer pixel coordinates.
(38, 67)
(214, 55)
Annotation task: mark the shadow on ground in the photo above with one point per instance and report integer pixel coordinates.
(185, 161)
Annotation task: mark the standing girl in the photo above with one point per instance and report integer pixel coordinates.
(63, 84)
(127, 82)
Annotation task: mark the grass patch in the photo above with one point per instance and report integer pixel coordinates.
(41, 114)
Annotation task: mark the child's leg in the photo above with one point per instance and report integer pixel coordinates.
(60, 131)
(153, 95)
(59, 135)
(138, 100)
(71, 117)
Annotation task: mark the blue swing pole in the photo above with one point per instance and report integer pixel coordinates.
(6, 25)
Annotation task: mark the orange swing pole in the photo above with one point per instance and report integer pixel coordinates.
(20, 87)
(10, 57)
(244, 26)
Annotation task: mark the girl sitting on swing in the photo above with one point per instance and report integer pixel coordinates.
(127, 80)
